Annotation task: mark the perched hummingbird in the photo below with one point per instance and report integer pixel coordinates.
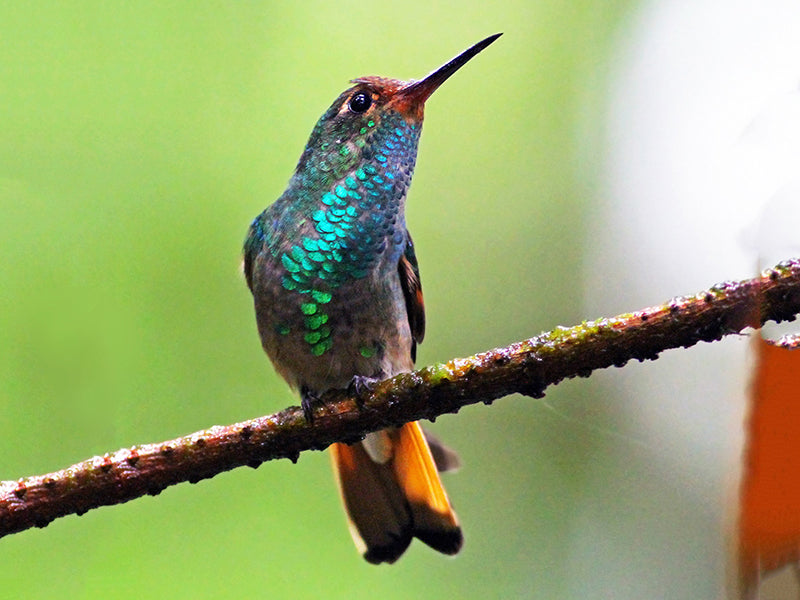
(338, 300)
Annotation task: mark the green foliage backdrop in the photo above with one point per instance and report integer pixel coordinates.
(138, 141)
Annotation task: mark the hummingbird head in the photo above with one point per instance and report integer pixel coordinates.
(369, 111)
(408, 97)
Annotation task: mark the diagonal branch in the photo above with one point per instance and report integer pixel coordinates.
(527, 367)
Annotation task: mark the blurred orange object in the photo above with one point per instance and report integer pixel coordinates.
(769, 526)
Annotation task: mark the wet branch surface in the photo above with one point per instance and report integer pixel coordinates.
(526, 367)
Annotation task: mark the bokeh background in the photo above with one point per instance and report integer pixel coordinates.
(139, 140)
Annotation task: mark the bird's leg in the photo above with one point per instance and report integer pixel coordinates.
(307, 400)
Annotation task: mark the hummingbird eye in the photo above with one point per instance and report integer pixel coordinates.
(360, 102)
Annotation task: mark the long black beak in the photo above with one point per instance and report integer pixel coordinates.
(417, 92)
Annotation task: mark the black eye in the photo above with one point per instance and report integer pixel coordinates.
(360, 102)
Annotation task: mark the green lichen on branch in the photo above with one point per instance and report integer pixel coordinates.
(527, 367)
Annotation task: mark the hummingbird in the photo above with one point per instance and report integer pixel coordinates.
(338, 301)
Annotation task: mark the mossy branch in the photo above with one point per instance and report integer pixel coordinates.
(527, 367)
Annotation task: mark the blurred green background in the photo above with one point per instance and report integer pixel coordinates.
(138, 142)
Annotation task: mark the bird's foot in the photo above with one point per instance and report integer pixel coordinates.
(307, 401)
(360, 385)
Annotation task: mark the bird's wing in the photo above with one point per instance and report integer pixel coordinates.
(252, 246)
(412, 292)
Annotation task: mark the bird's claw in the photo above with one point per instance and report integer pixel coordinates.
(360, 385)
(307, 400)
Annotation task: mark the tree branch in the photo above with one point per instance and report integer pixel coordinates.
(527, 367)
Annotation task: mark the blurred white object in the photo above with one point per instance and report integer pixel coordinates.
(702, 174)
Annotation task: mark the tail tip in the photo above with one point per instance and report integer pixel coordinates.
(446, 541)
(388, 553)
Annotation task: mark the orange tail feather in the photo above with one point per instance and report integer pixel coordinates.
(391, 501)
